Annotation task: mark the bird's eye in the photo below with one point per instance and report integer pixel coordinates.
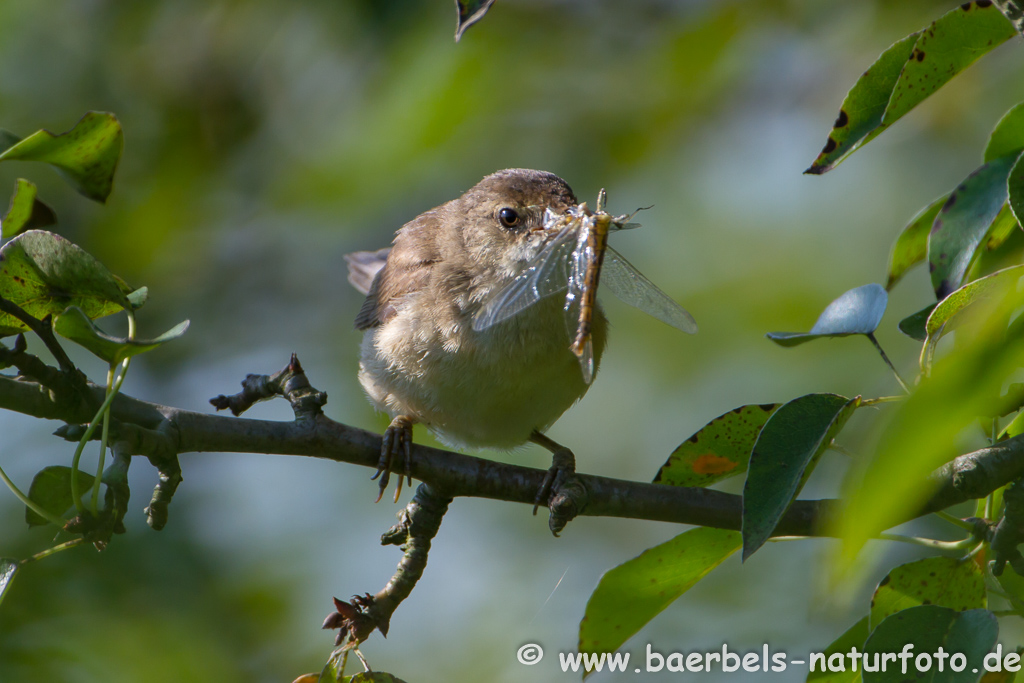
(508, 217)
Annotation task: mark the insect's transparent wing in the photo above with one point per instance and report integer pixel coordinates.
(629, 284)
(546, 274)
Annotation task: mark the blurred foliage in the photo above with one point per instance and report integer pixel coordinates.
(264, 139)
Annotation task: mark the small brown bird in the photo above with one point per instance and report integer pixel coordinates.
(423, 362)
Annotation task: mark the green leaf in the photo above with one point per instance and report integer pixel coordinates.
(74, 324)
(929, 627)
(1014, 428)
(915, 324)
(25, 212)
(8, 568)
(721, 449)
(857, 311)
(860, 117)
(911, 247)
(948, 310)
(51, 490)
(1002, 228)
(45, 273)
(952, 43)
(1013, 10)
(372, 677)
(924, 431)
(944, 581)
(8, 139)
(138, 298)
(788, 448)
(86, 155)
(1008, 136)
(908, 72)
(470, 12)
(630, 595)
(854, 637)
(963, 222)
(1013, 584)
(1015, 189)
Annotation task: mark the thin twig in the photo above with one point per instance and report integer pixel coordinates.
(42, 329)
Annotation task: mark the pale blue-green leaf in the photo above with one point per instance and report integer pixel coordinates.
(8, 568)
(858, 311)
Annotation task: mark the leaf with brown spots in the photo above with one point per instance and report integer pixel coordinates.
(87, 155)
(951, 44)
(1000, 284)
(630, 595)
(943, 581)
(1013, 10)
(861, 114)
(25, 212)
(910, 71)
(45, 273)
(963, 222)
(721, 449)
(911, 247)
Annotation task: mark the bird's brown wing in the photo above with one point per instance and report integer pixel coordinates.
(408, 268)
(363, 267)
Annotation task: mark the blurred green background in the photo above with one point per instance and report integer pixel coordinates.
(265, 139)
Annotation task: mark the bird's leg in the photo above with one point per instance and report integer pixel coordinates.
(561, 490)
(397, 440)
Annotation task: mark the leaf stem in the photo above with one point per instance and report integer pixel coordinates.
(113, 388)
(29, 503)
(105, 434)
(963, 524)
(871, 336)
(929, 542)
(54, 550)
(89, 431)
(881, 399)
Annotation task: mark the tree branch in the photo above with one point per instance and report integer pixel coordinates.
(160, 432)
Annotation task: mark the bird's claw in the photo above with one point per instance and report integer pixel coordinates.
(562, 491)
(397, 441)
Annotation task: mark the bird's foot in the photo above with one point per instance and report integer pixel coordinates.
(562, 491)
(397, 442)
